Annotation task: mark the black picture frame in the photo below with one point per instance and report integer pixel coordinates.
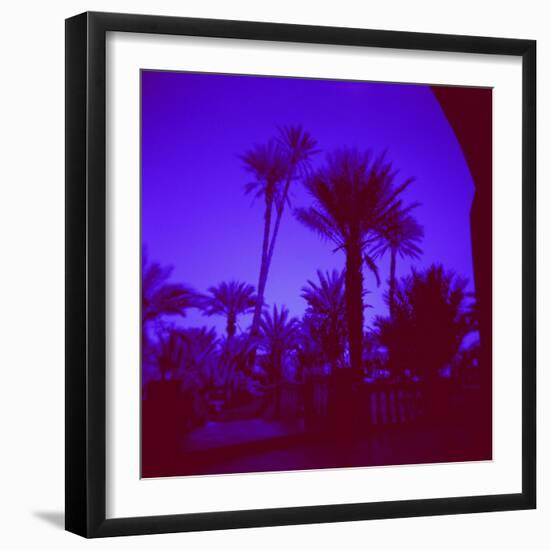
(86, 274)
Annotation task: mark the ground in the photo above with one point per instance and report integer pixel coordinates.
(259, 446)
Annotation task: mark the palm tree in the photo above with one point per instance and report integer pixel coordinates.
(231, 368)
(299, 147)
(353, 197)
(158, 296)
(229, 299)
(399, 235)
(431, 318)
(308, 351)
(279, 333)
(275, 166)
(326, 312)
(268, 164)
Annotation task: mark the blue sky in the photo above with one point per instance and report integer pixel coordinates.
(196, 217)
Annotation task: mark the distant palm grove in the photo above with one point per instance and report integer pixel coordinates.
(270, 380)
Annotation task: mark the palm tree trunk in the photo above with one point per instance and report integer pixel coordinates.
(275, 232)
(263, 265)
(280, 210)
(392, 282)
(334, 354)
(354, 305)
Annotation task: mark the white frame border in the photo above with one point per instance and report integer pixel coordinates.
(129, 496)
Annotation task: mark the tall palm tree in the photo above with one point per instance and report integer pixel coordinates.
(299, 147)
(229, 299)
(268, 164)
(275, 166)
(399, 235)
(279, 333)
(353, 196)
(326, 312)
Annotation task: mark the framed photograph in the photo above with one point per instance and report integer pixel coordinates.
(300, 274)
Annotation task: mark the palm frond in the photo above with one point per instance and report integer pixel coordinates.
(370, 263)
(159, 297)
(278, 331)
(232, 297)
(327, 296)
(269, 165)
(401, 233)
(320, 223)
(298, 142)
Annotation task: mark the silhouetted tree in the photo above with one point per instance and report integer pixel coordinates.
(229, 299)
(279, 333)
(309, 351)
(353, 196)
(326, 313)
(299, 147)
(429, 323)
(188, 355)
(268, 164)
(274, 167)
(231, 368)
(399, 235)
(158, 296)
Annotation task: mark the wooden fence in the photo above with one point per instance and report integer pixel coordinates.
(322, 401)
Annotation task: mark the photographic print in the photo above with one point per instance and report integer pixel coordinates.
(316, 274)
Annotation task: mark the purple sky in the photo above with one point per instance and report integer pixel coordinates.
(196, 217)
